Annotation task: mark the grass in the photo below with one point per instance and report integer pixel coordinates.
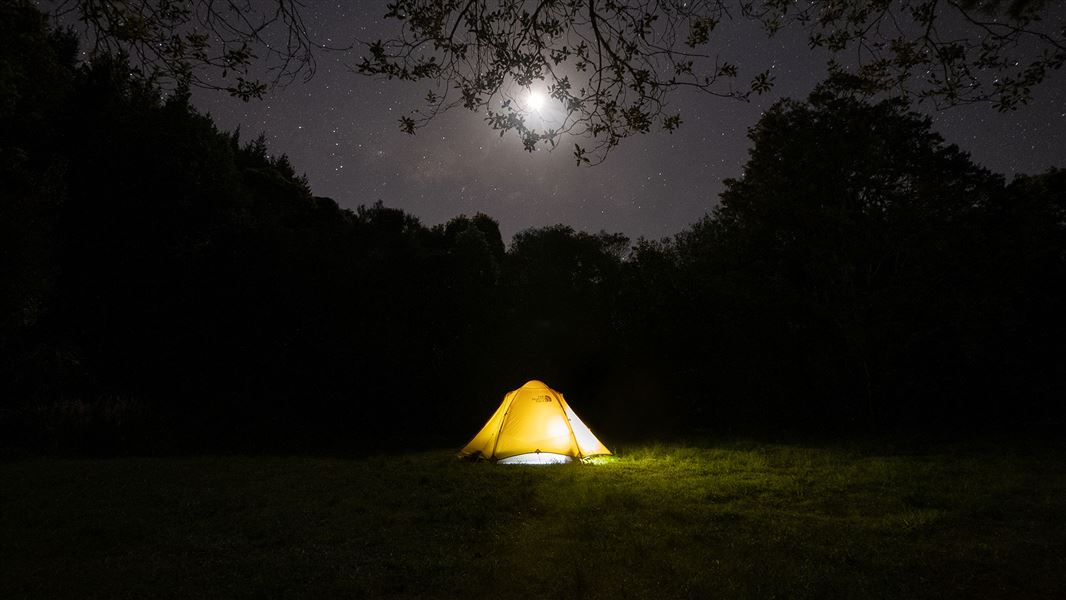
(728, 520)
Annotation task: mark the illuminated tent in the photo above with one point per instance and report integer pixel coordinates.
(534, 425)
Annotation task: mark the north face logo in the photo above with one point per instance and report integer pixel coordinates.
(544, 398)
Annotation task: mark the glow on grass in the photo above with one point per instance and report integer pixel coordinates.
(550, 458)
(536, 458)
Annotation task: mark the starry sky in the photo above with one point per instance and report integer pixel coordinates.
(341, 130)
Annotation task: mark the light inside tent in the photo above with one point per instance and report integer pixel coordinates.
(556, 428)
(536, 458)
(534, 425)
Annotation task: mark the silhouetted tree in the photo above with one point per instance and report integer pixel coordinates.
(612, 66)
(853, 271)
(562, 288)
(35, 71)
(238, 46)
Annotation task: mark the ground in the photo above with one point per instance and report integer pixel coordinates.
(704, 520)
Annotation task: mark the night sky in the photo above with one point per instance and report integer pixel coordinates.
(341, 129)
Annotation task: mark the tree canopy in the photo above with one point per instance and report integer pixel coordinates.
(243, 47)
(609, 67)
(613, 66)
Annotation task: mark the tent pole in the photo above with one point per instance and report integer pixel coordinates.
(503, 420)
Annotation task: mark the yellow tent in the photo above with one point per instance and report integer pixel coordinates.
(534, 425)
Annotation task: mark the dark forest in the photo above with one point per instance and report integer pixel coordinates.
(167, 285)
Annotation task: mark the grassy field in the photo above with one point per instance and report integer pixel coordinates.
(713, 520)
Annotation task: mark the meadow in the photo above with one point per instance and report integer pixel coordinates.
(711, 519)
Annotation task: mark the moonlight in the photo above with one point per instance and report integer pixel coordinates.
(535, 100)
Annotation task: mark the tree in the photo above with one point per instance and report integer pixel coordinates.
(242, 47)
(562, 290)
(611, 66)
(854, 269)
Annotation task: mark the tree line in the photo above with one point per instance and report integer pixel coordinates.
(169, 285)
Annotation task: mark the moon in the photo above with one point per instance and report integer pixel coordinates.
(535, 100)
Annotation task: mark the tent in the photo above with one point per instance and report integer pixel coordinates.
(534, 425)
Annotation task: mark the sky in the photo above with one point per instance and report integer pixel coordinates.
(341, 129)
